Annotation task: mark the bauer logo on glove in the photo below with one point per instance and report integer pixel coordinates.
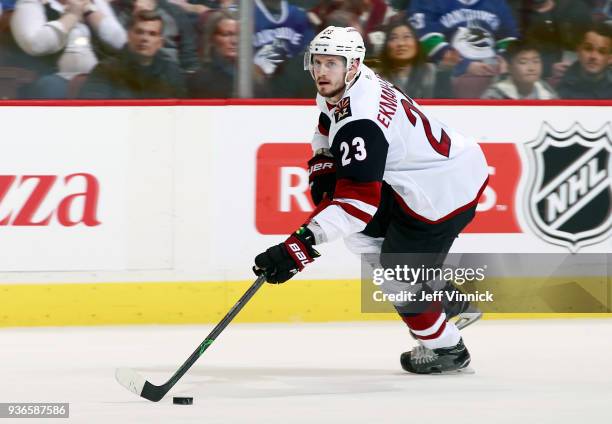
(281, 262)
(321, 168)
(321, 176)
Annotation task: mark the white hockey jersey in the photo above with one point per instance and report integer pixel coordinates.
(376, 133)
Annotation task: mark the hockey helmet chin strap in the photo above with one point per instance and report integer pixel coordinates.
(349, 83)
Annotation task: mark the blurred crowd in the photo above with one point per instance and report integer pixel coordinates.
(134, 49)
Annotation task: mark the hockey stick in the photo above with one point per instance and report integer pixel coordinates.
(134, 382)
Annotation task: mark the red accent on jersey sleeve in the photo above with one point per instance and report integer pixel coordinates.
(325, 203)
(324, 124)
(353, 211)
(365, 192)
(345, 188)
(324, 131)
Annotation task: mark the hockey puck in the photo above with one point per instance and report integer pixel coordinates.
(182, 400)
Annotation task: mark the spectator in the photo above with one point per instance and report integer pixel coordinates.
(602, 11)
(58, 36)
(202, 6)
(231, 5)
(290, 80)
(366, 15)
(6, 9)
(525, 73)
(5, 31)
(345, 18)
(190, 7)
(373, 13)
(141, 71)
(179, 35)
(305, 4)
(516, 6)
(403, 63)
(477, 30)
(217, 77)
(399, 5)
(282, 31)
(199, 7)
(370, 13)
(552, 26)
(6, 6)
(590, 76)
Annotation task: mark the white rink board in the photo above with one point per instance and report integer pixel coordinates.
(128, 152)
(177, 187)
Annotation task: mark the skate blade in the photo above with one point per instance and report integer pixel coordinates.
(467, 371)
(467, 318)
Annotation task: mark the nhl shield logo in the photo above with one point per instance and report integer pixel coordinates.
(569, 188)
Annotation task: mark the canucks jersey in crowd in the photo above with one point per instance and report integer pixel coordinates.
(7, 5)
(477, 29)
(289, 33)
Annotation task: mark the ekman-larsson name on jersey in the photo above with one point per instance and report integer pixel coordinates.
(388, 103)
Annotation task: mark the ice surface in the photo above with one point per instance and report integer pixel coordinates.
(546, 371)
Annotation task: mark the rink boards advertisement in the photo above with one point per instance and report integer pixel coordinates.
(118, 210)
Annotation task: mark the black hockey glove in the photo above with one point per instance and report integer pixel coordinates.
(321, 177)
(281, 262)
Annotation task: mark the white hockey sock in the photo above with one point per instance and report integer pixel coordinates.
(433, 330)
(448, 337)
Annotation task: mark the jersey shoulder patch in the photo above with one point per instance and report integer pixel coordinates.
(342, 109)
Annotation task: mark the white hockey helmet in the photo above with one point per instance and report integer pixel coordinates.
(336, 41)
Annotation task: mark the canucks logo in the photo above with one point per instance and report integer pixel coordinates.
(569, 185)
(474, 42)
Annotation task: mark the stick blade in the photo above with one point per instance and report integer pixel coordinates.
(130, 379)
(134, 382)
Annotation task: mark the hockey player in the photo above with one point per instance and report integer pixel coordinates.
(392, 180)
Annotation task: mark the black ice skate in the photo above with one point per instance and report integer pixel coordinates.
(446, 360)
